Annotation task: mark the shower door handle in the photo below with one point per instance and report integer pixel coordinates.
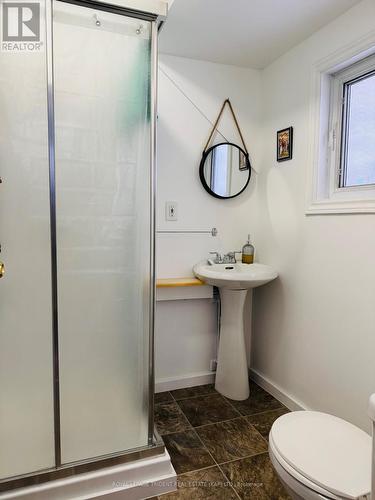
(2, 269)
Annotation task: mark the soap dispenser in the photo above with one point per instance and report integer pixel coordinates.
(248, 252)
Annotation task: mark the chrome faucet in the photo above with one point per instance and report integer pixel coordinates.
(229, 258)
(217, 260)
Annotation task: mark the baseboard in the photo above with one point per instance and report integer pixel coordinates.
(287, 400)
(191, 380)
(170, 384)
(136, 480)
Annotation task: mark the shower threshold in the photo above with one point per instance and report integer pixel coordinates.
(84, 466)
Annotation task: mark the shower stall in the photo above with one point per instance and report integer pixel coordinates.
(77, 144)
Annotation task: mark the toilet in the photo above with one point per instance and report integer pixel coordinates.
(320, 456)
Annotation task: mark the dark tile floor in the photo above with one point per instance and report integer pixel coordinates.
(219, 447)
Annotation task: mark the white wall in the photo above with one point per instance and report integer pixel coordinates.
(314, 329)
(185, 342)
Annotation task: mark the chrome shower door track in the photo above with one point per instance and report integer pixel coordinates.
(74, 468)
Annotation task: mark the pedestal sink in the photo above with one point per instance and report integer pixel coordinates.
(234, 281)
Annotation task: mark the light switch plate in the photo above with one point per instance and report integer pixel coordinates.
(171, 210)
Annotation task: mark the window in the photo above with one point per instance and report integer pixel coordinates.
(343, 161)
(357, 145)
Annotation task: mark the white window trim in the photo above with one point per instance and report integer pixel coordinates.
(323, 194)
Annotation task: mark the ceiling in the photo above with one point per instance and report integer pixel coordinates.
(250, 33)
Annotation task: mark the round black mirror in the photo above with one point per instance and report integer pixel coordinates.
(225, 170)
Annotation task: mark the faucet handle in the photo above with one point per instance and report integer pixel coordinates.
(218, 257)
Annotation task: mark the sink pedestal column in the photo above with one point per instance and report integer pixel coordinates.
(232, 379)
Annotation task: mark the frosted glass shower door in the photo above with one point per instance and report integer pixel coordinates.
(102, 81)
(26, 378)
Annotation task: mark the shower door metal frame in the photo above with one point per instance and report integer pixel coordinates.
(155, 444)
(53, 234)
(153, 118)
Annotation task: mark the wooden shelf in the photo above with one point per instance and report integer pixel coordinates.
(178, 282)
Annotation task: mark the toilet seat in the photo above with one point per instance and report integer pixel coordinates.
(327, 454)
(276, 457)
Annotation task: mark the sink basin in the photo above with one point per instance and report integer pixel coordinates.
(235, 276)
(235, 283)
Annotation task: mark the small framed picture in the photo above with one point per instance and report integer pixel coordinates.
(285, 144)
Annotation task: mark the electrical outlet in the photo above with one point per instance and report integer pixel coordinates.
(171, 210)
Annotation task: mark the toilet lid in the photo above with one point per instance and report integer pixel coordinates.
(327, 450)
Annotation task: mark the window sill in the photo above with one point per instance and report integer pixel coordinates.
(327, 207)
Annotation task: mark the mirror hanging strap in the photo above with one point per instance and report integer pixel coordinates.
(227, 101)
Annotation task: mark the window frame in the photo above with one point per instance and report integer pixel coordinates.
(343, 167)
(323, 194)
(338, 121)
